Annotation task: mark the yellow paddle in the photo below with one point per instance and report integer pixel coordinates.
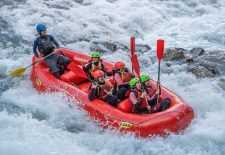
(21, 70)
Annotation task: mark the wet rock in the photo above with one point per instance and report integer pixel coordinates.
(174, 54)
(111, 1)
(214, 61)
(201, 71)
(142, 48)
(103, 47)
(222, 84)
(114, 46)
(193, 53)
(79, 1)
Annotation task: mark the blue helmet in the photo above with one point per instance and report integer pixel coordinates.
(40, 27)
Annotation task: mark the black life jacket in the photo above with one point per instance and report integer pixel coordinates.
(45, 45)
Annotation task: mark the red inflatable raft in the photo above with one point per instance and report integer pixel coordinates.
(175, 119)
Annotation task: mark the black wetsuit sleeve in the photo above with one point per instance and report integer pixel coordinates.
(87, 68)
(91, 95)
(54, 41)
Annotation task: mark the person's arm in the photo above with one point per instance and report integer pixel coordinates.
(136, 103)
(91, 95)
(54, 41)
(35, 45)
(103, 68)
(87, 67)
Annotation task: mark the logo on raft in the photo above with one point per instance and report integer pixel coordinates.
(125, 125)
(38, 82)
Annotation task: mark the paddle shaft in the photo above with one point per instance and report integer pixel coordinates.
(40, 60)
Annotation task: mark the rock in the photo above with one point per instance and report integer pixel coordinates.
(200, 71)
(142, 48)
(79, 1)
(114, 46)
(174, 54)
(103, 47)
(193, 53)
(222, 84)
(214, 61)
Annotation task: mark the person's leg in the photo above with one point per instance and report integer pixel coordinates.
(164, 104)
(120, 94)
(51, 62)
(152, 102)
(142, 111)
(112, 101)
(62, 60)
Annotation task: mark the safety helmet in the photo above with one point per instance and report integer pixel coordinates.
(98, 73)
(119, 65)
(133, 82)
(95, 54)
(144, 78)
(40, 27)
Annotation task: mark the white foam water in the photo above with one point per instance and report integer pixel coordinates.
(33, 123)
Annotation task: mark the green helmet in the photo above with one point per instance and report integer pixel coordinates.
(95, 54)
(144, 78)
(133, 82)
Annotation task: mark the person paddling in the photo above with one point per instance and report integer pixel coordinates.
(142, 102)
(46, 44)
(101, 88)
(94, 64)
(153, 93)
(122, 75)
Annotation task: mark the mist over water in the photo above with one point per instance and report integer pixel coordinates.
(33, 123)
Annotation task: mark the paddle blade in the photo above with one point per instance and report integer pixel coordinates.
(135, 64)
(132, 45)
(17, 72)
(160, 49)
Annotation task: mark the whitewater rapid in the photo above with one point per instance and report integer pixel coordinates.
(33, 123)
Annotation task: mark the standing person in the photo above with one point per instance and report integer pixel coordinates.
(142, 102)
(94, 64)
(101, 88)
(46, 44)
(122, 75)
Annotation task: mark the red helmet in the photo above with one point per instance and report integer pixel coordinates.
(98, 73)
(119, 65)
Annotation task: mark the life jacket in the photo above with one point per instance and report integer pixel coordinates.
(94, 67)
(144, 103)
(45, 45)
(102, 91)
(126, 76)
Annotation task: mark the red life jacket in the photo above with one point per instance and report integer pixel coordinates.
(126, 76)
(138, 96)
(102, 92)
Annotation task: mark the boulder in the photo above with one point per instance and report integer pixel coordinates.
(114, 46)
(193, 53)
(174, 54)
(200, 71)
